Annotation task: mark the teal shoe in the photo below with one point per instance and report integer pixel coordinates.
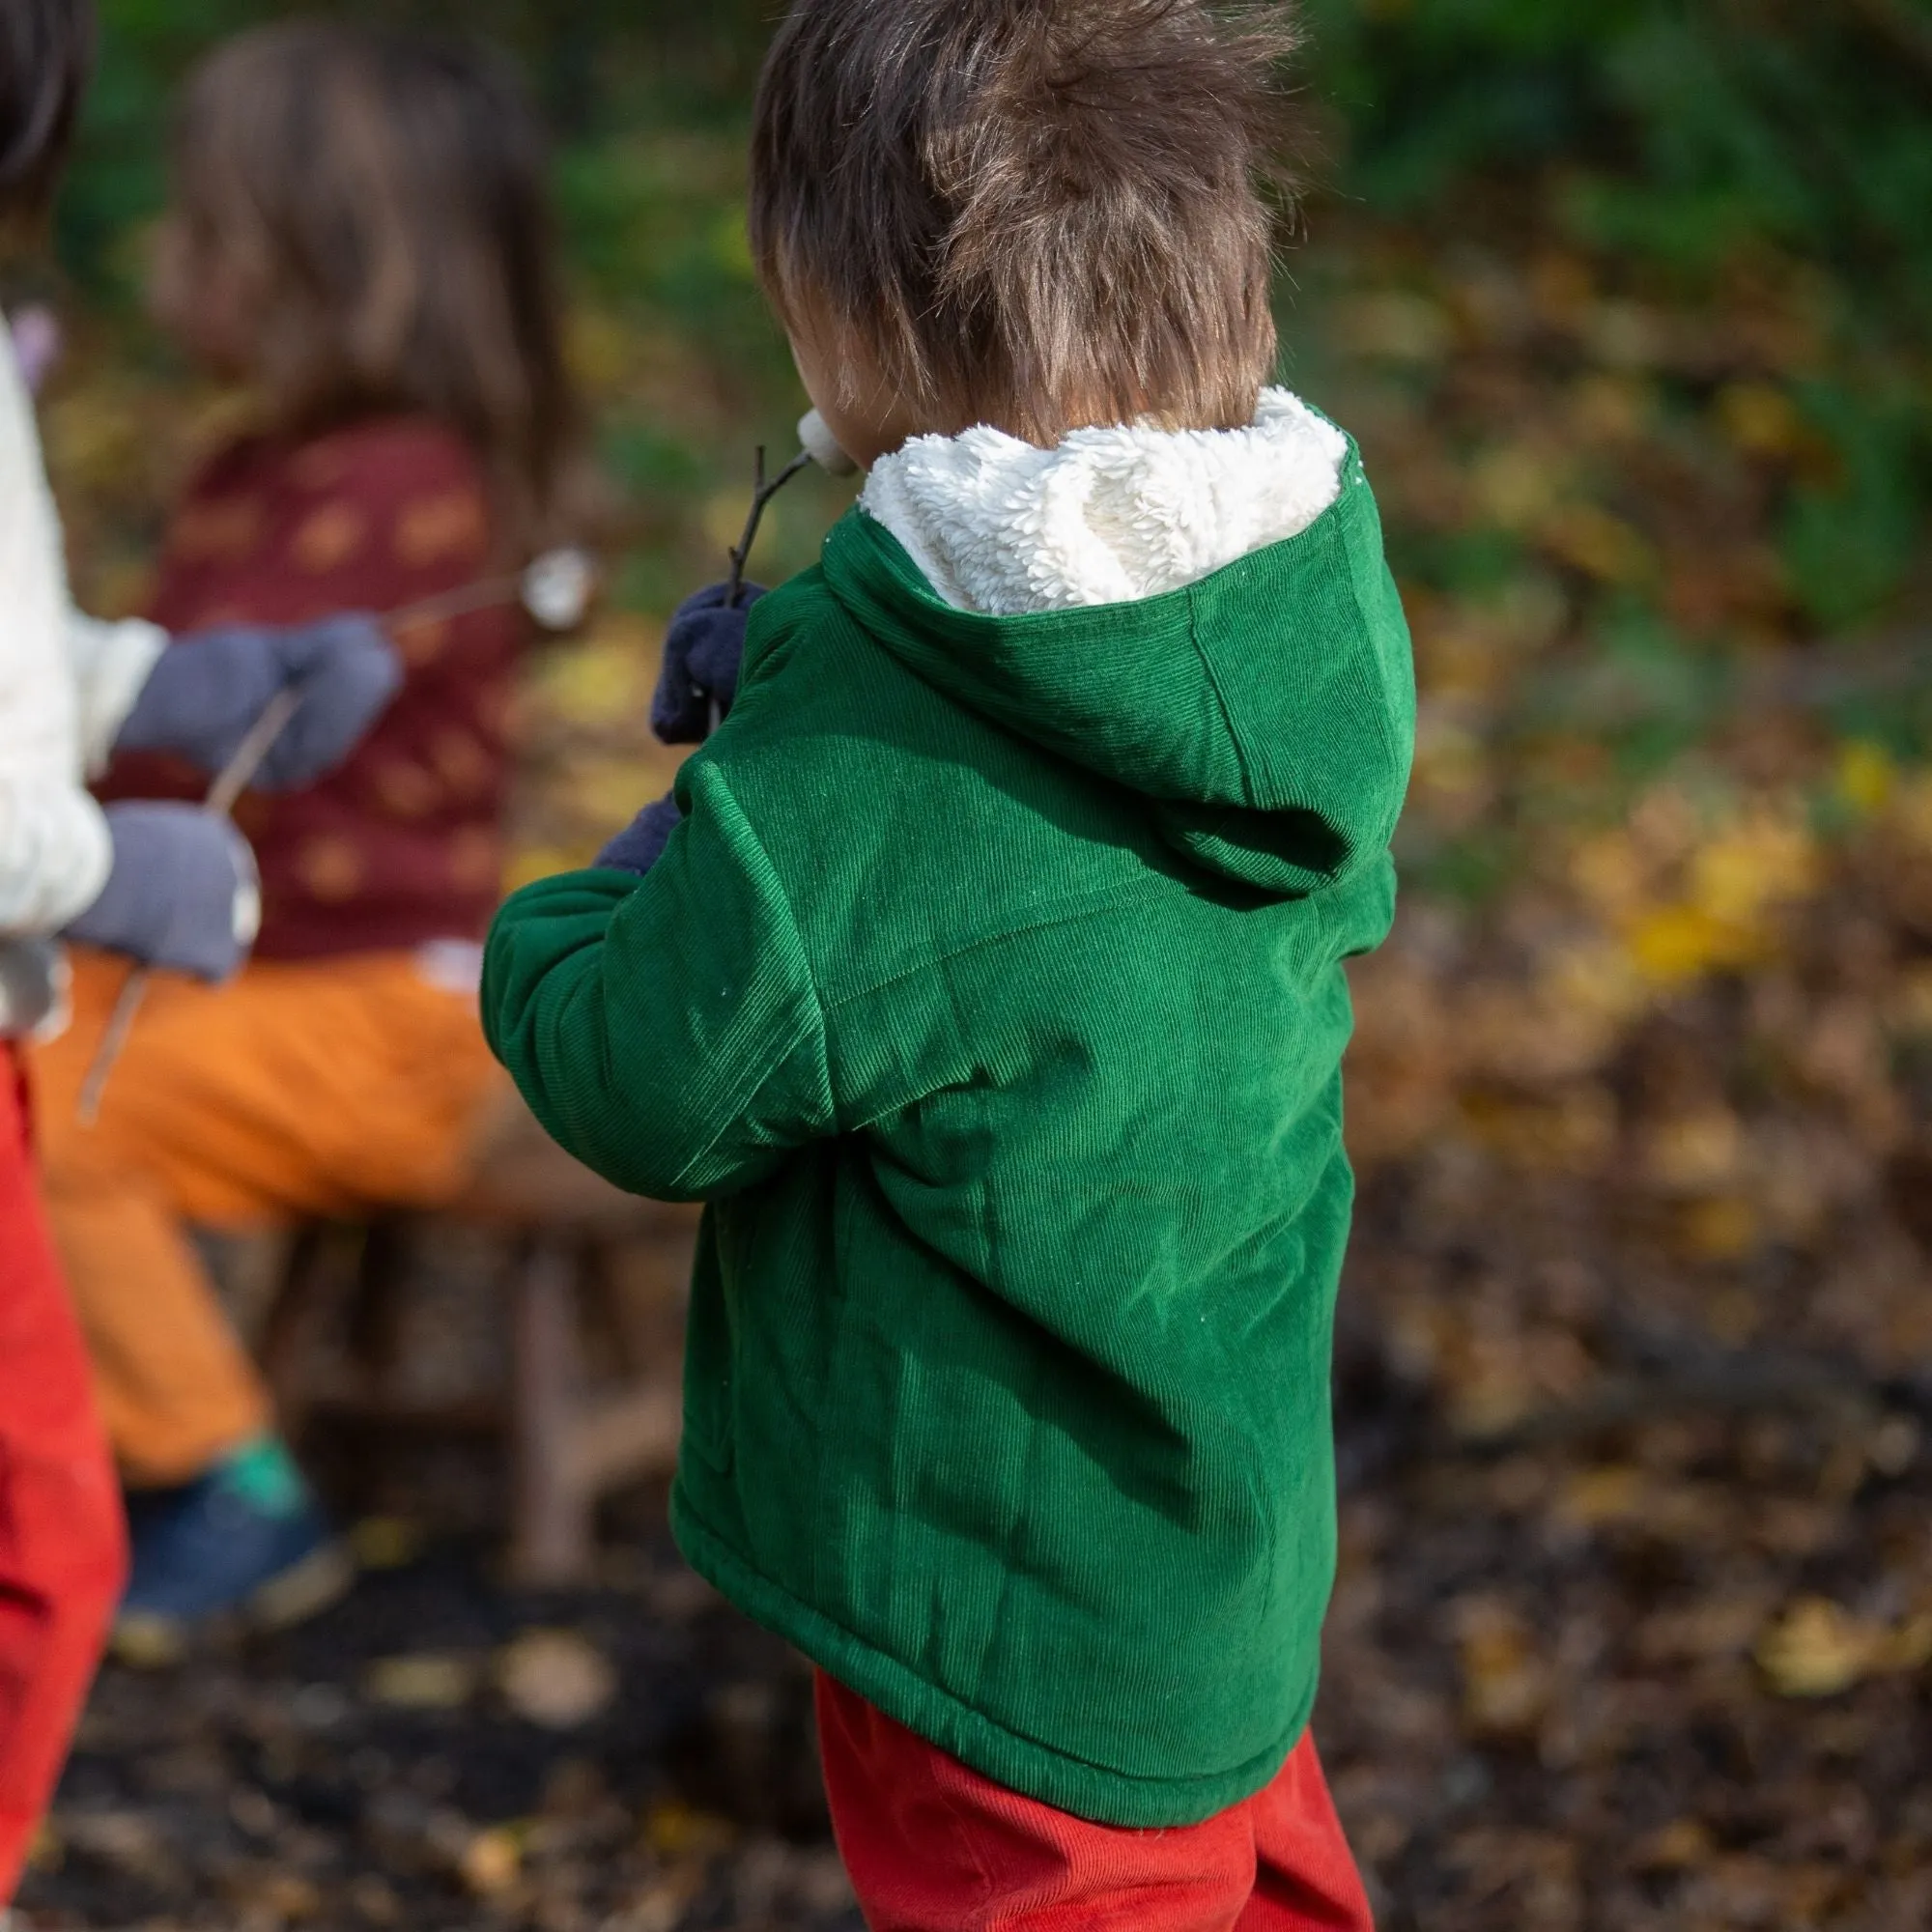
(245, 1544)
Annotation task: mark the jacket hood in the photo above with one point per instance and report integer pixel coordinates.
(1204, 617)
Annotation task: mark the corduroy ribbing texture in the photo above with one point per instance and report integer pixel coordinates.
(992, 995)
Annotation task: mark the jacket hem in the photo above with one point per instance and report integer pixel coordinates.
(1018, 1763)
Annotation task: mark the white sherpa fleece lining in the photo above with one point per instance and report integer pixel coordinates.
(1109, 516)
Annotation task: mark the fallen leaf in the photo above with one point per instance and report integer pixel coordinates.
(1505, 1680)
(1677, 1847)
(555, 1679)
(386, 1542)
(1821, 1650)
(674, 1831)
(492, 1862)
(431, 1681)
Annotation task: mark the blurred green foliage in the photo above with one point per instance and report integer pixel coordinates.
(592, 62)
(1681, 144)
(1688, 129)
(1691, 141)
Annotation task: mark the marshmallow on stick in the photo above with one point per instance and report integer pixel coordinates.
(556, 591)
(821, 447)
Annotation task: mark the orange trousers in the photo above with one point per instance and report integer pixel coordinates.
(321, 1089)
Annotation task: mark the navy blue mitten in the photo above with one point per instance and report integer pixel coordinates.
(703, 651)
(207, 691)
(641, 844)
(184, 892)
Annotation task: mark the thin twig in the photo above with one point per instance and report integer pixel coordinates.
(763, 494)
(489, 594)
(264, 735)
(113, 1043)
(241, 770)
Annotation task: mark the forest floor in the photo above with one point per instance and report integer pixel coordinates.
(1656, 1660)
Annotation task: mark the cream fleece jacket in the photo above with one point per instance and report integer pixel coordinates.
(66, 684)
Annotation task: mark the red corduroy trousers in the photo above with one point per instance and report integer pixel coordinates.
(934, 1847)
(63, 1542)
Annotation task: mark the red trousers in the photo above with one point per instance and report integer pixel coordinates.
(934, 1847)
(63, 1544)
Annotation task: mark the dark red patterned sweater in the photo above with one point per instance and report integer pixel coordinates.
(404, 844)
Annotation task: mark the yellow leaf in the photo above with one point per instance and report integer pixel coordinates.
(1721, 1230)
(492, 1862)
(1595, 1496)
(674, 1831)
(1679, 943)
(1759, 419)
(1505, 1682)
(1678, 1847)
(429, 1681)
(1762, 862)
(1867, 776)
(1603, 545)
(1818, 1650)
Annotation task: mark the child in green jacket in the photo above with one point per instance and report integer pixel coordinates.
(989, 987)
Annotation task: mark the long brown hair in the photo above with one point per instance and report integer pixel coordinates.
(378, 200)
(46, 52)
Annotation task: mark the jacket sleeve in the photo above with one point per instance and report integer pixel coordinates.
(111, 665)
(54, 848)
(665, 1030)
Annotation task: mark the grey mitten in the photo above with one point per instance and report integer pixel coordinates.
(184, 892)
(207, 691)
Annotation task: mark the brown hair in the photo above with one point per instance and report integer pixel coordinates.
(380, 199)
(1039, 214)
(46, 53)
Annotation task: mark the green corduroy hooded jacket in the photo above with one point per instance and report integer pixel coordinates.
(992, 996)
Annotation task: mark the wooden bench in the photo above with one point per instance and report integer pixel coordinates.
(573, 1438)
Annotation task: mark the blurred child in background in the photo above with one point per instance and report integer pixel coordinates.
(163, 884)
(988, 981)
(359, 234)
